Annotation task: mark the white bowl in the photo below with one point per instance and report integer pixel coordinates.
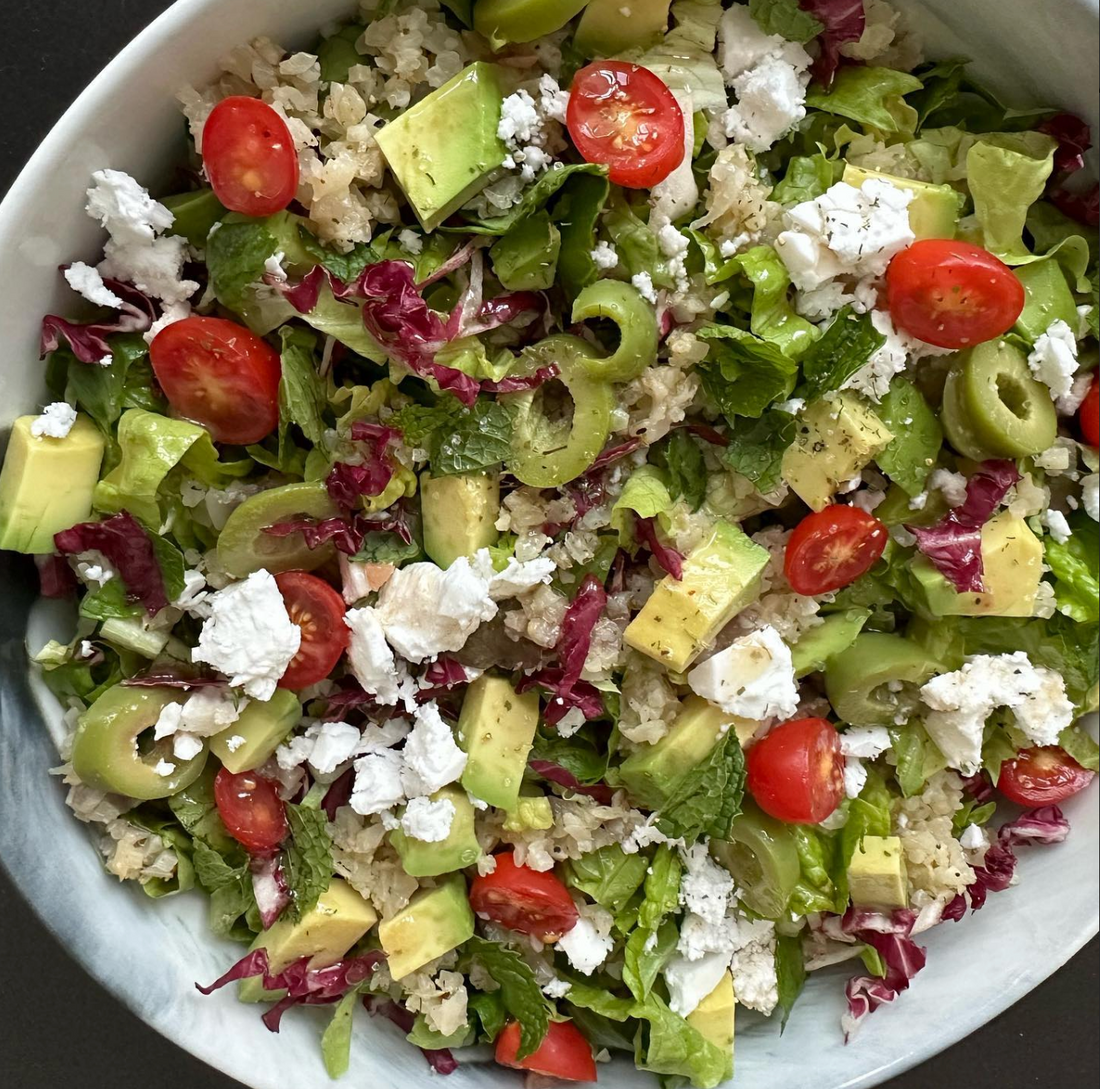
(149, 954)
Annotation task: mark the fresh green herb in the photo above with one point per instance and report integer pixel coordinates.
(918, 436)
(609, 876)
(846, 346)
(756, 449)
(790, 974)
(302, 394)
(708, 797)
(519, 991)
(308, 858)
(785, 18)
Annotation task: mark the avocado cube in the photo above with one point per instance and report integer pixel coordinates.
(1012, 561)
(260, 730)
(434, 922)
(530, 815)
(836, 437)
(46, 484)
(834, 634)
(876, 874)
(459, 513)
(713, 1018)
(338, 920)
(496, 728)
(652, 774)
(603, 30)
(459, 850)
(1047, 298)
(444, 149)
(682, 616)
(934, 210)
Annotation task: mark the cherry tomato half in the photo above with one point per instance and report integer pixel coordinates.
(625, 116)
(318, 610)
(1089, 417)
(249, 157)
(220, 375)
(831, 548)
(796, 771)
(524, 900)
(564, 1052)
(952, 294)
(251, 810)
(1042, 776)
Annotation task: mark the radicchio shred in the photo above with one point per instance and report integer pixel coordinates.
(844, 21)
(88, 340)
(439, 1059)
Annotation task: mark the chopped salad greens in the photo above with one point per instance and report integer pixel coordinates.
(577, 518)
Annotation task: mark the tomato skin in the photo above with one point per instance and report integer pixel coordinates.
(952, 294)
(318, 610)
(524, 900)
(625, 116)
(221, 375)
(796, 771)
(1089, 416)
(831, 548)
(1042, 776)
(251, 810)
(564, 1052)
(249, 156)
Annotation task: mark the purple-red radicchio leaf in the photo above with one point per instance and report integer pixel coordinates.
(670, 561)
(844, 21)
(347, 482)
(88, 340)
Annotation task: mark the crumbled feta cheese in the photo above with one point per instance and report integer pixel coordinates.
(919, 501)
(163, 768)
(432, 758)
(974, 838)
(429, 821)
(193, 598)
(846, 231)
(962, 701)
(377, 786)
(855, 776)
(186, 746)
(588, 944)
(168, 721)
(868, 499)
(643, 284)
(1090, 495)
(273, 266)
(604, 256)
(100, 572)
(1056, 524)
(210, 710)
(1053, 360)
(705, 888)
(867, 742)
(426, 611)
(87, 281)
(690, 981)
(741, 43)
(951, 485)
(753, 964)
(249, 636)
(324, 746)
(518, 576)
(369, 655)
(771, 99)
(792, 407)
(873, 378)
(519, 120)
(571, 722)
(698, 937)
(553, 101)
(557, 988)
(674, 245)
(1069, 403)
(1058, 459)
(234, 743)
(410, 242)
(752, 678)
(56, 421)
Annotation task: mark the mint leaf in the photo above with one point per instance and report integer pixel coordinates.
(230, 889)
(518, 989)
(847, 345)
(912, 453)
(785, 18)
(790, 973)
(308, 858)
(235, 256)
(743, 374)
(662, 888)
(646, 953)
(580, 754)
(488, 1008)
(481, 439)
(708, 797)
(756, 449)
(302, 395)
(609, 876)
(682, 457)
(344, 266)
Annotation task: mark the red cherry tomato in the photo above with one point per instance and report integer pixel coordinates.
(318, 610)
(1090, 414)
(249, 157)
(564, 1052)
(796, 772)
(1042, 776)
(524, 900)
(221, 375)
(625, 116)
(952, 294)
(251, 810)
(831, 548)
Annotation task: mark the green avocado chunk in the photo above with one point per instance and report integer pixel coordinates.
(260, 730)
(836, 633)
(876, 874)
(460, 849)
(496, 727)
(46, 484)
(434, 922)
(682, 616)
(610, 27)
(714, 1017)
(445, 149)
(459, 514)
(110, 752)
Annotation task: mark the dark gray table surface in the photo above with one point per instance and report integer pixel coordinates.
(57, 1027)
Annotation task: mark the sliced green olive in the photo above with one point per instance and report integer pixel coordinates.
(113, 748)
(560, 428)
(244, 547)
(762, 858)
(956, 420)
(875, 679)
(637, 322)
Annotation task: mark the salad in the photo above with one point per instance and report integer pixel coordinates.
(578, 514)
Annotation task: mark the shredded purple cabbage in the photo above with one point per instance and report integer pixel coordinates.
(88, 340)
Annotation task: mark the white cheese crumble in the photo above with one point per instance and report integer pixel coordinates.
(377, 786)
(55, 422)
(234, 743)
(846, 231)
(690, 981)
(855, 776)
(429, 821)
(1053, 360)
(87, 281)
(369, 655)
(432, 759)
(249, 636)
(557, 988)
(604, 256)
(674, 245)
(867, 742)
(324, 746)
(164, 768)
(1056, 524)
(705, 888)
(410, 242)
(1090, 495)
(962, 701)
(588, 944)
(643, 284)
(974, 838)
(753, 964)
(186, 746)
(752, 678)
(951, 485)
